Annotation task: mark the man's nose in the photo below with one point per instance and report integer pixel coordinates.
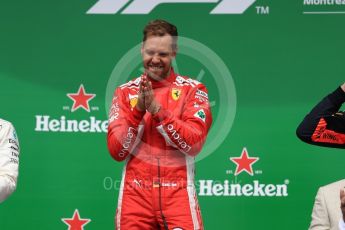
(156, 59)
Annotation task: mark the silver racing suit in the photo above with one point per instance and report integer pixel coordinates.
(9, 159)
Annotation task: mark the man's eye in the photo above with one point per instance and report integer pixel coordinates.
(163, 54)
(149, 52)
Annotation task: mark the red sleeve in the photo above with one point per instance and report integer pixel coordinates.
(187, 134)
(123, 126)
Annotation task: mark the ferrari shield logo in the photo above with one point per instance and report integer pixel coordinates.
(133, 100)
(175, 93)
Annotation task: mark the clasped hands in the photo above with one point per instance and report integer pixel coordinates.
(146, 97)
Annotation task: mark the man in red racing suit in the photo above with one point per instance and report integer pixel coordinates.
(158, 126)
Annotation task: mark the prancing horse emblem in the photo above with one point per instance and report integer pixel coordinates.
(175, 93)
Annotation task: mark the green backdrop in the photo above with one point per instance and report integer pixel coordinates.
(283, 56)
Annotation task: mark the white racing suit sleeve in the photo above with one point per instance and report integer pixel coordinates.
(9, 159)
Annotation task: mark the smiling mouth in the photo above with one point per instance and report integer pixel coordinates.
(155, 68)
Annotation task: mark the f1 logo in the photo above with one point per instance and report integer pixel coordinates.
(146, 6)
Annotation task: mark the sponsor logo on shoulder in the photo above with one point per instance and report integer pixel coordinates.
(201, 115)
(201, 99)
(201, 93)
(114, 111)
(193, 82)
(132, 83)
(180, 81)
(14, 134)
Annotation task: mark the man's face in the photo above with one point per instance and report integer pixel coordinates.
(157, 56)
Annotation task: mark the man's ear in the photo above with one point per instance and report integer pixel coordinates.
(174, 53)
(142, 49)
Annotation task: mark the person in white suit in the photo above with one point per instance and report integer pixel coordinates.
(327, 213)
(9, 159)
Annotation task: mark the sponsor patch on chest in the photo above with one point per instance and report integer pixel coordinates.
(176, 93)
(133, 100)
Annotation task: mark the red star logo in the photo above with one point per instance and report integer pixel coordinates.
(244, 162)
(75, 223)
(81, 99)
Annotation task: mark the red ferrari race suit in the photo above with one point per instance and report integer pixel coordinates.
(324, 125)
(157, 188)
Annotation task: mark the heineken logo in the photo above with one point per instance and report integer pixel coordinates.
(213, 188)
(92, 125)
(79, 103)
(236, 186)
(244, 163)
(76, 222)
(81, 99)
